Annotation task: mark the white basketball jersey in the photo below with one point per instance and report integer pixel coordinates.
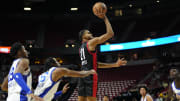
(145, 98)
(15, 92)
(46, 87)
(175, 90)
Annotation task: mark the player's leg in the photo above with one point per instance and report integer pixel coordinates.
(91, 91)
(81, 98)
(90, 98)
(81, 90)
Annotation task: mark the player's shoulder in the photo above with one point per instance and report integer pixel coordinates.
(94, 41)
(24, 60)
(149, 97)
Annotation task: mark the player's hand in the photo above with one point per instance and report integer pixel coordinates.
(65, 88)
(100, 14)
(120, 62)
(178, 96)
(92, 71)
(35, 98)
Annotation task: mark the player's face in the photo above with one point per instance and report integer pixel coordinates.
(105, 98)
(24, 52)
(88, 35)
(57, 64)
(143, 91)
(173, 73)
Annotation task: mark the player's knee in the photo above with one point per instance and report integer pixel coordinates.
(91, 98)
(81, 98)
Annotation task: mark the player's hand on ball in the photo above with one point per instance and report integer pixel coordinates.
(100, 13)
(100, 9)
(65, 88)
(121, 62)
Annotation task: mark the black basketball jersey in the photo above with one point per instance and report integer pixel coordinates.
(88, 58)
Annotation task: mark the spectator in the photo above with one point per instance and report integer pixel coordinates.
(106, 98)
(144, 93)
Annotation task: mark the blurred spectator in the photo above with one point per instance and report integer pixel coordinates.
(144, 93)
(106, 98)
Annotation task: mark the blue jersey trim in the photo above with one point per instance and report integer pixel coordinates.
(57, 94)
(23, 98)
(46, 90)
(22, 93)
(49, 88)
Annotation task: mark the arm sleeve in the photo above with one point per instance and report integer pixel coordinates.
(57, 94)
(19, 79)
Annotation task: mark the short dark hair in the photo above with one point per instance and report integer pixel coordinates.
(144, 88)
(15, 48)
(174, 67)
(49, 63)
(81, 33)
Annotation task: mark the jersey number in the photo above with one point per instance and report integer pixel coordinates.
(82, 54)
(10, 77)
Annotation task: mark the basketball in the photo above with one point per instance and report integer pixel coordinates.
(99, 6)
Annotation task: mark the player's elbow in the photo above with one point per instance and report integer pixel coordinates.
(111, 34)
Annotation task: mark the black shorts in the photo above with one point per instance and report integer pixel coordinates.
(88, 86)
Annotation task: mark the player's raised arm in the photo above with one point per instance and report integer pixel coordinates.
(4, 85)
(60, 72)
(103, 38)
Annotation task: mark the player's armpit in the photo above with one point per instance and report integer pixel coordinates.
(98, 40)
(4, 85)
(22, 65)
(58, 73)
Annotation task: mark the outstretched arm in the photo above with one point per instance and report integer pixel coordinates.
(60, 72)
(99, 40)
(120, 62)
(4, 85)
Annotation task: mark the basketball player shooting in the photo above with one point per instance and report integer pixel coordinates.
(88, 85)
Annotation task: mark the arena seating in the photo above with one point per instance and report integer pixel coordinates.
(113, 82)
(112, 89)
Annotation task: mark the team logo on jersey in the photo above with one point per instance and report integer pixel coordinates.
(42, 78)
